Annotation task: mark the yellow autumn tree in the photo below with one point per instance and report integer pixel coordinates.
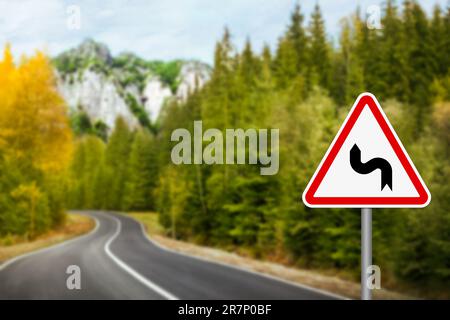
(35, 145)
(33, 118)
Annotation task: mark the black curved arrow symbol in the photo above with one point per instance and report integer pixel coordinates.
(371, 165)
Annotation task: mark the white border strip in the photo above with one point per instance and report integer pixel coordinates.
(56, 246)
(164, 293)
(268, 276)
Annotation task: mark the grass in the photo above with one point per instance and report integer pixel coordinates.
(150, 221)
(74, 225)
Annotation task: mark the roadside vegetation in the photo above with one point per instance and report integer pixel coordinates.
(304, 87)
(35, 147)
(75, 225)
(331, 281)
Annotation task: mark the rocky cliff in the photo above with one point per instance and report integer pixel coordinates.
(104, 87)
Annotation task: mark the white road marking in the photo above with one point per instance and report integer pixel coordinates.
(146, 282)
(56, 246)
(268, 276)
(141, 278)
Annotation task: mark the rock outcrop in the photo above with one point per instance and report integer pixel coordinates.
(104, 87)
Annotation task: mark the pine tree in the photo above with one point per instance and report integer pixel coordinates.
(248, 72)
(438, 39)
(367, 42)
(142, 173)
(222, 82)
(393, 53)
(297, 36)
(265, 88)
(266, 77)
(291, 59)
(85, 192)
(420, 61)
(248, 66)
(319, 53)
(285, 63)
(446, 35)
(117, 154)
(348, 73)
(93, 159)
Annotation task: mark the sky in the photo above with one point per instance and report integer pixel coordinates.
(161, 29)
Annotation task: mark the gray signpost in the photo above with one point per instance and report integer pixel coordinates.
(344, 177)
(366, 251)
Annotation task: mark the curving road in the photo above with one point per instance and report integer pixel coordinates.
(118, 261)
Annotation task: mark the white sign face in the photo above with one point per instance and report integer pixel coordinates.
(366, 165)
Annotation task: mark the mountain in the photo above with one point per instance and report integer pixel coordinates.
(103, 87)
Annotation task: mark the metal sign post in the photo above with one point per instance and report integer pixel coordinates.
(366, 251)
(344, 180)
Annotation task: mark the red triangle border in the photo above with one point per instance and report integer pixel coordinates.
(366, 99)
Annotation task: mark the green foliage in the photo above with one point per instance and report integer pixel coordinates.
(24, 206)
(305, 90)
(68, 64)
(142, 173)
(125, 70)
(116, 159)
(424, 257)
(297, 37)
(81, 125)
(319, 51)
(137, 70)
(35, 147)
(167, 71)
(120, 174)
(138, 111)
(87, 162)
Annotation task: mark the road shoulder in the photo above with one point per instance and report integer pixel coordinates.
(310, 278)
(75, 225)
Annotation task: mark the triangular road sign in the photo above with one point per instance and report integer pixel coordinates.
(366, 165)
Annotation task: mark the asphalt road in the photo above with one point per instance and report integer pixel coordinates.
(117, 261)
